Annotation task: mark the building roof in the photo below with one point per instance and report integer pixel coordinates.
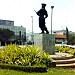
(60, 36)
(59, 31)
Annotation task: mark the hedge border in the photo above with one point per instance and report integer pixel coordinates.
(24, 68)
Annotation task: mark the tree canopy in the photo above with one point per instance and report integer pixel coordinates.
(71, 40)
(5, 34)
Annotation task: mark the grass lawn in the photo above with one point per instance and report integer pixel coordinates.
(51, 71)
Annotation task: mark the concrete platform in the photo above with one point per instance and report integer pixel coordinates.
(45, 42)
(63, 60)
(61, 56)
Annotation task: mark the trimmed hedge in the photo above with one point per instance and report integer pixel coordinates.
(24, 68)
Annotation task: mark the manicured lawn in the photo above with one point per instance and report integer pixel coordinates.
(51, 71)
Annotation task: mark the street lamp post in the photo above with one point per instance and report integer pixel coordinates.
(51, 17)
(32, 29)
(51, 26)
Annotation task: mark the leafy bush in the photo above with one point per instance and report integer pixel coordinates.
(26, 56)
(59, 48)
(72, 52)
(65, 50)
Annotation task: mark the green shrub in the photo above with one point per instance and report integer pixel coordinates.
(26, 56)
(72, 52)
(58, 48)
(65, 50)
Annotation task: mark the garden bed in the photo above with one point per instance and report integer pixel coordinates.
(29, 58)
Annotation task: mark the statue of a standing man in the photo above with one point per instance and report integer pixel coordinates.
(42, 13)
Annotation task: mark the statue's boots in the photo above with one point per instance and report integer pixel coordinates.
(47, 32)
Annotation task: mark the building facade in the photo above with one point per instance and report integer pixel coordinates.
(6, 22)
(19, 31)
(59, 38)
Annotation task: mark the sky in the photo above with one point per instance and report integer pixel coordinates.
(20, 11)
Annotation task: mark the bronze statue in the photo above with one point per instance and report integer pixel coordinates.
(42, 13)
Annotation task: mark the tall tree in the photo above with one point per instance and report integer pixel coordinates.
(71, 40)
(5, 34)
(67, 34)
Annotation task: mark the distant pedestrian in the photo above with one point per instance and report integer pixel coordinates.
(42, 13)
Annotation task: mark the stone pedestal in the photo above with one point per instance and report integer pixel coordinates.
(45, 42)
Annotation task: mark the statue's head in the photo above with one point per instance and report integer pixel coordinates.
(43, 5)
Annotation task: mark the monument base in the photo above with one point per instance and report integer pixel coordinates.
(45, 42)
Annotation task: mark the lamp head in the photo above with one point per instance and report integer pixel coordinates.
(52, 7)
